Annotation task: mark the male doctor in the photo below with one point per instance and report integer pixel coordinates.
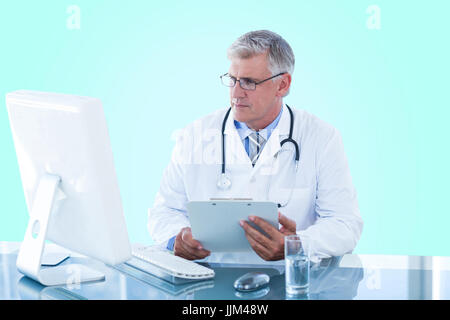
(316, 196)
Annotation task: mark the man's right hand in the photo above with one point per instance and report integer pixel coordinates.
(187, 247)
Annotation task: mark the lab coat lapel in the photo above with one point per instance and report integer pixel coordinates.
(273, 144)
(270, 149)
(234, 148)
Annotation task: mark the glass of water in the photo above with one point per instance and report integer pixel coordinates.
(297, 265)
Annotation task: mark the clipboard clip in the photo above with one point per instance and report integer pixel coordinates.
(230, 199)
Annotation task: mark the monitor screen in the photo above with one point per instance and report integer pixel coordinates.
(67, 136)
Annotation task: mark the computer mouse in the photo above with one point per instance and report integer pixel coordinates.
(251, 281)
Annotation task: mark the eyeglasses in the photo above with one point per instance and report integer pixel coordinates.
(245, 83)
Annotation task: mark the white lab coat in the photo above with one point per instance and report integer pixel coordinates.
(323, 203)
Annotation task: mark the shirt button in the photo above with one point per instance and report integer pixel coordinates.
(253, 179)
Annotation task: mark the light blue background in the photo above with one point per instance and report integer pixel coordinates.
(155, 65)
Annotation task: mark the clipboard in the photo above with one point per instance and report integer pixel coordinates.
(215, 224)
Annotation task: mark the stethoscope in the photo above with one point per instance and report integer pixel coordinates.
(224, 182)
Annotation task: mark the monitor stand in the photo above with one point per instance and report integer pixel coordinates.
(51, 258)
(31, 251)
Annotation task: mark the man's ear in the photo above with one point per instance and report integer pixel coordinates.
(284, 85)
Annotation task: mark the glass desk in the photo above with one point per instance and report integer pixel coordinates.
(367, 277)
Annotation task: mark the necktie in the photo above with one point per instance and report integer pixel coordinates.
(256, 144)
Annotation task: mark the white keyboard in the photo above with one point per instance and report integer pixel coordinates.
(173, 265)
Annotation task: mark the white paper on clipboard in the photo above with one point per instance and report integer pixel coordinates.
(215, 224)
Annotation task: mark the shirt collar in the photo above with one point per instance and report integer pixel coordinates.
(244, 131)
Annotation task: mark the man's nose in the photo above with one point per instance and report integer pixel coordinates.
(237, 91)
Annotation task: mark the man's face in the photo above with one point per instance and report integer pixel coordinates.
(259, 107)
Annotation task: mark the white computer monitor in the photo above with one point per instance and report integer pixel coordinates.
(68, 176)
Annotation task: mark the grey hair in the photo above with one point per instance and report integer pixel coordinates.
(280, 54)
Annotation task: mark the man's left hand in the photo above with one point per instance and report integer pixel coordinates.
(269, 248)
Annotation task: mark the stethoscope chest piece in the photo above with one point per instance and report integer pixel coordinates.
(224, 183)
